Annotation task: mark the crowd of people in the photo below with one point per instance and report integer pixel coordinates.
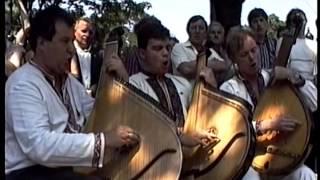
(50, 91)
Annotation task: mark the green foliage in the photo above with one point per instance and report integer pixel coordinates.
(106, 14)
(275, 24)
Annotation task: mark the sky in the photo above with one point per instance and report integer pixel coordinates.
(174, 14)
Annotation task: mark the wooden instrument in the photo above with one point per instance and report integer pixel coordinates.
(159, 155)
(279, 153)
(228, 117)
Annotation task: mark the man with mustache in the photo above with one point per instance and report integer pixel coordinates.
(46, 108)
(184, 55)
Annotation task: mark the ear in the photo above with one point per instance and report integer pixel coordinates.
(142, 53)
(41, 43)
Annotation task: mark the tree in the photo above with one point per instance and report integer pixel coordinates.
(106, 14)
(275, 25)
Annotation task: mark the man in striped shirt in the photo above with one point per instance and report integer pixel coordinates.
(258, 22)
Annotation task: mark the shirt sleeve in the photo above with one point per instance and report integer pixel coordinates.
(227, 87)
(33, 131)
(178, 56)
(309, 93)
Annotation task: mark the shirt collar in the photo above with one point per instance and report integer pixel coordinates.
(188, 44)
(49, 77)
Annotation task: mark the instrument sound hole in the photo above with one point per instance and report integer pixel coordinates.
(266, 165)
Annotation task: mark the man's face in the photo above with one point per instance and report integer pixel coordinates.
(247, 57)
(197, 32)
(156, 56)
(59, 51)
(84, 34)
(259, 25)
(216, 34)
(296, 18)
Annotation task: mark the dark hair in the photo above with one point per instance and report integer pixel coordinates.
(43, 23)
(145, 20)
(194, 19)
(257, 12)
(292, 12)
(150, 29)
(174, 39)
(235, 39)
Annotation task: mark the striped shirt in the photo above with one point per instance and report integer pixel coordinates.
(267, 51)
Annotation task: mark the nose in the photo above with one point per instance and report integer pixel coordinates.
(197, 29)
(166, 52)
(251, 56)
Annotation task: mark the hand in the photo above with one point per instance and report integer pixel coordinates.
(279, 123)
(281, 73)
(199, 138)
(296, 79)
(208, 76)
(121, 136)
(115, 65)
(93, 90)
(217, 65)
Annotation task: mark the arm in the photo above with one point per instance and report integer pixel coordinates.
(13, 59)
(188, 69)
(32, 128)
(182, 63)
(217, 66)
(74, 67)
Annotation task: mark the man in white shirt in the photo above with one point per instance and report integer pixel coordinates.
(46, 108)
(172, 92)
(303, 56)
(249, 83)
(184, 55)
(86, 63)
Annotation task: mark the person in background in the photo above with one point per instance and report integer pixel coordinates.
(216, 42)
(184, 55)
(303, 56)
(87, 62)
(258, 22)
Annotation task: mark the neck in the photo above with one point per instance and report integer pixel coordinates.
(218, 48)
(49, 71)
(82, 46)
(250, 78)
(150, 74)
(260, 38)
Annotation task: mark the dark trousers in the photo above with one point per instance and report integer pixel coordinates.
(38, 172)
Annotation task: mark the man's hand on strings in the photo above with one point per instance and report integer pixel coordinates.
(123, 136)
(278, 123)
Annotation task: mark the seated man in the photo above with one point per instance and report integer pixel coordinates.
(172, 92)
(249, 83)
(46, 108)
